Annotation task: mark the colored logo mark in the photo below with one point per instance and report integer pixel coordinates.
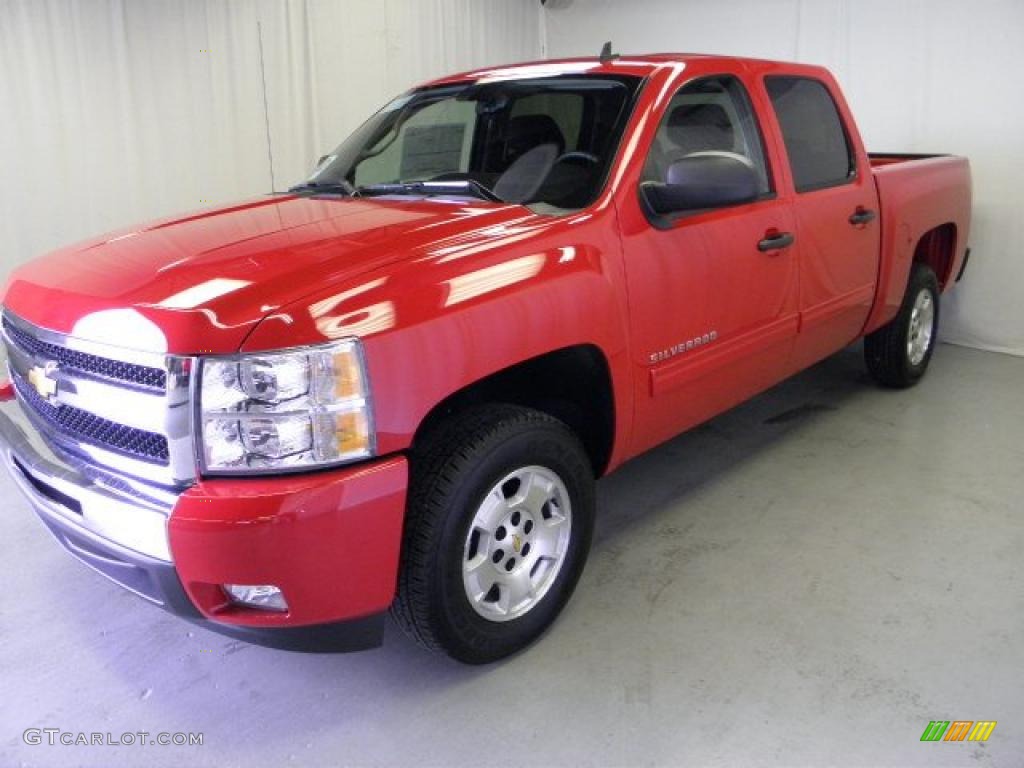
(958, 730)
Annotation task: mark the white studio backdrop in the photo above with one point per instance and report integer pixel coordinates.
(117, 111)
(113, 112)
(920, 76)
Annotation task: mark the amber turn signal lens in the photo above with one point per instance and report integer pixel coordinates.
(348, 377)
(351, 432)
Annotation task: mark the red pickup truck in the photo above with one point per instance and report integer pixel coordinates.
(393, 386)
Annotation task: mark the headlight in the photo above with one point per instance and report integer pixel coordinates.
(296, 409)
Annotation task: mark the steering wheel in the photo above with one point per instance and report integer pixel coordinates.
(587, 158)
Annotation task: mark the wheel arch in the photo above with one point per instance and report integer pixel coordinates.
(572, 384)
(937, 249)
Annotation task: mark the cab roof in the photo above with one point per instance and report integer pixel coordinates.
(640, 65)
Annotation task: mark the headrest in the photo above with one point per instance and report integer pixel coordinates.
(700, 128)
(528, 131)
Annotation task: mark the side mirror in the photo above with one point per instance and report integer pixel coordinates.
(703, 180)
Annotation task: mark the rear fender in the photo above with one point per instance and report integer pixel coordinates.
(915, 198)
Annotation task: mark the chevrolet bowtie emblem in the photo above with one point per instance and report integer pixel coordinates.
(41, 377)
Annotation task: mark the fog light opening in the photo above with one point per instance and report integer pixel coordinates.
(264, 597)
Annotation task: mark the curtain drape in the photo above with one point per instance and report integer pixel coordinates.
(117, 111)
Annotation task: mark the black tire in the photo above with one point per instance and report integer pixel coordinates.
(458, 465)
(886, 351)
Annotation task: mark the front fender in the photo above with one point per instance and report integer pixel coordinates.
(453, 314)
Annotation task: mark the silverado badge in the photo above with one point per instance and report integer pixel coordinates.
(42, 381)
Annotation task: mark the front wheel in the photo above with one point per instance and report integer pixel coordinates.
(498, 527)
(898, 353)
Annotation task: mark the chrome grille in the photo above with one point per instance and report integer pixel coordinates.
(72, 360)
(87, 427)
(124, 412)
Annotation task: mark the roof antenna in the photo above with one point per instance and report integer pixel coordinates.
(606, 53)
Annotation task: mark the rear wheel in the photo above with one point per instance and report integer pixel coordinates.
(497, 530)
(898, 353)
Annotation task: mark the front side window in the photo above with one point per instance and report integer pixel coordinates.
(546, 142)
(816, 143)
(710, 115)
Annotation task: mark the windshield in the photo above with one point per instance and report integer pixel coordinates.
(544, 142)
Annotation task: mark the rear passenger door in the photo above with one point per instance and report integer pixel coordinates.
(836, 207)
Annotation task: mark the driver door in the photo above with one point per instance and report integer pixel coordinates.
(713, 294)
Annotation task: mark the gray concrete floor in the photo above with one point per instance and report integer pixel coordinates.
(807, 580)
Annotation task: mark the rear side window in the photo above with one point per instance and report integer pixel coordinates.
(819, 151)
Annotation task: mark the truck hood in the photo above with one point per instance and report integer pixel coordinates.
(201, 282)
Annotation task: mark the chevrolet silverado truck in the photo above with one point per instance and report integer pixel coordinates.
(391, 389)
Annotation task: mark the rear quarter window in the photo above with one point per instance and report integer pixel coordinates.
(816, 142)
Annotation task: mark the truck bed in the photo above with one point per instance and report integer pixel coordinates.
(879, 159)
(919, 195)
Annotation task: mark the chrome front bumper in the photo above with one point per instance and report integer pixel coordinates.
(123, 537)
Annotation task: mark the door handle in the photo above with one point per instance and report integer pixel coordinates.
(775, 241)
(862, 216)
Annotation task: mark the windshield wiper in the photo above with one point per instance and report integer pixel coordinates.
(321, 187)
(463, 187)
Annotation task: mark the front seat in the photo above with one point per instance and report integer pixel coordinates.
(533, 143)
(523, 179)
(525, 132)
(692, 128)
(701, 128)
